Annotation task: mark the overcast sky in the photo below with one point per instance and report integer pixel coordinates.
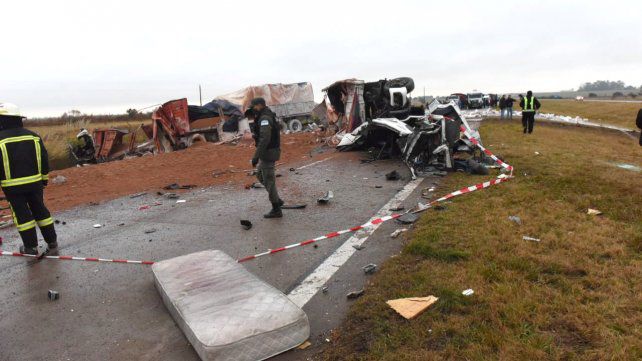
(107, 56)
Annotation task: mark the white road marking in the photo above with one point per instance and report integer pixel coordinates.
(315, 163)
(304, 292)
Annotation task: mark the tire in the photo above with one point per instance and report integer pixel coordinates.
(295, 125)
(407, 83)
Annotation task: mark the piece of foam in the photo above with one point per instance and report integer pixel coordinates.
(226, 312)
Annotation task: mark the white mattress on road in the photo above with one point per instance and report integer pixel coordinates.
(226, 312)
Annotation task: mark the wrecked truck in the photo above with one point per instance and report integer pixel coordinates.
(379, 117)
(177, 125)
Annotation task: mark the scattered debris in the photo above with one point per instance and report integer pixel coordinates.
(292, 169)
(57, 221)
(408, 218)
(59, 180)
(355, 294)
(397, 208)
(171, 196)
(369, 268)
(593, 212)
(304, 345)
(247, 225)
(358, 247)
(181, 201)
(630, 167)
(326, 198)
(98, 225)
(174, 186)
(537, 153)
(378, 186)
(527, 238)
(148, 206)
(392, 176)
(324, 289)
(399, 231)
(411, 307)
(138, 195)
(257, 185)
(53, 295)
(152, 230)
(468, 292)
(515, 219)
(293, 206)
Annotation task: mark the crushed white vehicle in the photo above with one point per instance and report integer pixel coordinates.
(429, 141)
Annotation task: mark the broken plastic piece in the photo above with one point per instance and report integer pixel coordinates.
(593, 212)
(98, 225)
(527, 238)
(246, 224)
(515, 219)
(326, 198)
(181, 201)
(408, 218)
(399, 231)
(467, 292)
(411, 307)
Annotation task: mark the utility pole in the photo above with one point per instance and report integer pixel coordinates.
(424, 94)
(200, 95)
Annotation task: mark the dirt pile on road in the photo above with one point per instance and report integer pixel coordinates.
(195, 165)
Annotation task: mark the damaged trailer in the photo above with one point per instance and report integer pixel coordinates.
(176, 125)
(428, 141)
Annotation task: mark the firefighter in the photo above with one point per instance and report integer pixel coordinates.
(267, 136)
(23, 176)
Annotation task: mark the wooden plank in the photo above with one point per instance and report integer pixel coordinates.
(411, 307)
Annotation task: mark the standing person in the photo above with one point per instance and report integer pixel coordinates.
(23, 176)
(267, 137)
(502, 106)
(529, 105)
(509, 107)
(638, 122)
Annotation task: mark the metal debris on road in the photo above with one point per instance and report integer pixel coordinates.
(355, 294)
(369, 268)
(152, 230)
(53, 295)
(326, 198)
(246, 224)
(138, 195)
(408, 218)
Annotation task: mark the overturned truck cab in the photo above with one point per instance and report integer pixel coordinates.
(379, 117)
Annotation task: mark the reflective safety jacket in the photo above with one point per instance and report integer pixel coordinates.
(24, 158)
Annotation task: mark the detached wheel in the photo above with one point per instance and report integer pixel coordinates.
(295, 125)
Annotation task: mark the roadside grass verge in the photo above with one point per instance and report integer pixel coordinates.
(621, 114)
(576, 295)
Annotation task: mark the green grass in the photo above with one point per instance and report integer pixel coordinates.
(615, 113)
(576, 295)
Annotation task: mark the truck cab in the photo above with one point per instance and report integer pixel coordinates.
(475, 100)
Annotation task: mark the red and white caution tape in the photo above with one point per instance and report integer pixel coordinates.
(71, 258)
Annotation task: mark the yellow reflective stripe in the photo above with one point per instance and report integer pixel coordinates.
(45, 222)
(26, 226)
(5, 161)
(21, 181)
(45, 177)
(17, 139)
(37, 143)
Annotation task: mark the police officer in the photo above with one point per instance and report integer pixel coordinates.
(267, 137)
(529, 105)
(23, 176)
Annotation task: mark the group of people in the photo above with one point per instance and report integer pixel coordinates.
(529, 104)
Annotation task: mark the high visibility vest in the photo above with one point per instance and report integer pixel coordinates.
(529, 107)
(10, 181)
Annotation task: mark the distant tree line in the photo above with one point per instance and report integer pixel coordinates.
(601, 85)
(76, 115)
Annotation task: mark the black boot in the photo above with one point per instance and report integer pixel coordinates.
(29, 250)
(52, 249)
(275, 212)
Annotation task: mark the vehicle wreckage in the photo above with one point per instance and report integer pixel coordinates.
(378, 116)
